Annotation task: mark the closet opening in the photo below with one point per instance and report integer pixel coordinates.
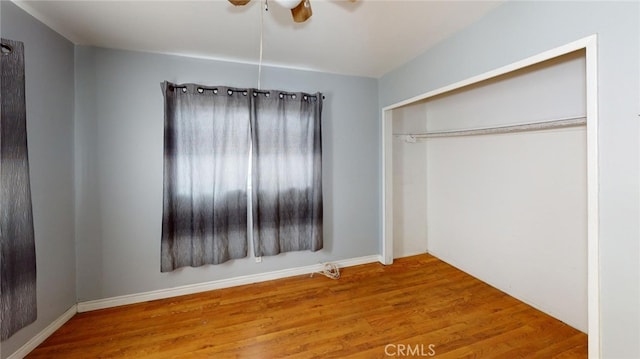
(497, 175)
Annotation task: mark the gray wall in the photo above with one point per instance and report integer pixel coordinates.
(520, 29)
(49, 95)
(119, 134)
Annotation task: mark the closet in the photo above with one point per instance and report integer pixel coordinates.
(492, 178)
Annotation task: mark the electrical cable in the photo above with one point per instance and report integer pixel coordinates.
(329, 270)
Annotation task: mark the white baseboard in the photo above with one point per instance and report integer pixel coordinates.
(44, 334)
(217, 284)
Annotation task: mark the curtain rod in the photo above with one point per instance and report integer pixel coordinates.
(215, 89)
(535, 126)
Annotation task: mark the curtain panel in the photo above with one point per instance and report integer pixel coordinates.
(17, 243)
(206, 156)
(286, 172)
(213, 137)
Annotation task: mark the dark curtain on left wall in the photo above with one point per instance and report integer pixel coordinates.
(17, 244)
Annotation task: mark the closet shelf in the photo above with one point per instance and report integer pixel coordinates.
(536, 126)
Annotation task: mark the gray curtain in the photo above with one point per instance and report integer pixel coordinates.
(206, 158)
(286, 172)
(17, 244)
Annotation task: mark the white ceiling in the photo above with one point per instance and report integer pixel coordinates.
(366, 38)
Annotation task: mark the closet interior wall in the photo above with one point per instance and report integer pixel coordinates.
(409, 183)
(509, 209)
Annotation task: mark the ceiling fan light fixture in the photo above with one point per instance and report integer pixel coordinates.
(289, 4)
(300, 9)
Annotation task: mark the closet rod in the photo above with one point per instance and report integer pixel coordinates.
(536, 126)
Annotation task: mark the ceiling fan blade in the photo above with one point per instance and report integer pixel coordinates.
(302, 12)
(239, 2)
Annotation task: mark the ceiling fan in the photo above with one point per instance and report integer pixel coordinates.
(300, 9)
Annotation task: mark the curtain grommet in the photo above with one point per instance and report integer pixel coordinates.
(6, 49)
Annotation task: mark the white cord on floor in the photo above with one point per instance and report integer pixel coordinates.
(329, 270)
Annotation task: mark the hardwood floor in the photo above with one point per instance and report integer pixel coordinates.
(417, 307)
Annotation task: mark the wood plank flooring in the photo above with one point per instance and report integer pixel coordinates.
(417, 307)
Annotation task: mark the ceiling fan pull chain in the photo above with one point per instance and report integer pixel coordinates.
(266, 8)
